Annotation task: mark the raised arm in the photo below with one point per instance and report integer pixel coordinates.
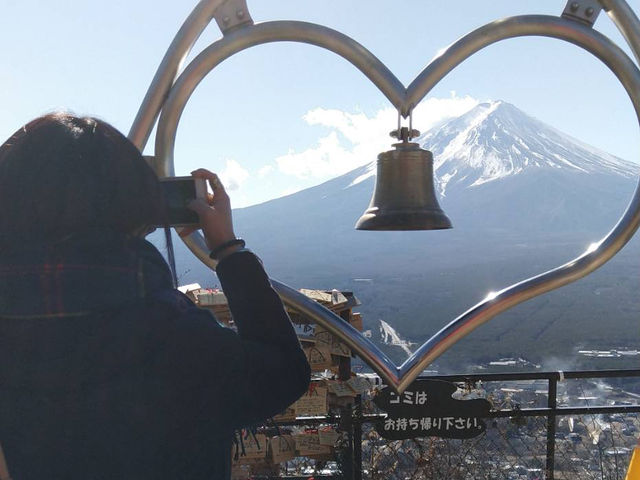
(270, 368)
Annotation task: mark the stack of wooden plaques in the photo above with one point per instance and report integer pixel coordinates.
(341, 303)
(333, 388)
(262, 454)
(214, 300)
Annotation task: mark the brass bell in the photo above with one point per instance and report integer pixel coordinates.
(404, 197)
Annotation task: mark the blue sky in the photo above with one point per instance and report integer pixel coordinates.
(282, 117)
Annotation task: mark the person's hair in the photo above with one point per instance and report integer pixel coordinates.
(61, 174)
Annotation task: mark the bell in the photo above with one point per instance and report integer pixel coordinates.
(404, 196)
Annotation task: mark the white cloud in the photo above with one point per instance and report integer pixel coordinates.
(233, 175)
(355, 139)
(327, 158)
(434, 111)
(264, 171)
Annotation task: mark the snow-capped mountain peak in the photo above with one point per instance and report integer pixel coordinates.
(495, 140)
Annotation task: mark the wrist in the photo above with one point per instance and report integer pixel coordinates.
(226, 248)
(218, 239)
(228, 251)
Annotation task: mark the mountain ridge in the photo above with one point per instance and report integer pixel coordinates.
(514, 225)
(457, 158)
(496, 139)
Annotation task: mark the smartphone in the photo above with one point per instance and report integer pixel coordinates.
(178, 193)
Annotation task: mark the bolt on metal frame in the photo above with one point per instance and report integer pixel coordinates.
(169, 92)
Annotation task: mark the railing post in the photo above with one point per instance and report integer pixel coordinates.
(347, 424)
(357, 439)
(347, 414)
(348, 464)
(552, 403)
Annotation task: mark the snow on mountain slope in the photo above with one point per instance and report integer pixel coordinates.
(495, 140)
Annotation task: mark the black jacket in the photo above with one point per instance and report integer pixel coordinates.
(107, 372)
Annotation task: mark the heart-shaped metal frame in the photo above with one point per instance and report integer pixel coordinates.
(404, 99)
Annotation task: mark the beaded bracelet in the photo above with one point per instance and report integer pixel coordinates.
(220, 248)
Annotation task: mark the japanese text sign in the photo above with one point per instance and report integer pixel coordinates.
(426, 408)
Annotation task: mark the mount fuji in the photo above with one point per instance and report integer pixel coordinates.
(523, 197)
(496, 140)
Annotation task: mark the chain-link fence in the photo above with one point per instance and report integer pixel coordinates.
(510, 449)
(576, 425)
(539, 429)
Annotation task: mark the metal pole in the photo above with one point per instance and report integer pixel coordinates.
(168, 70)
(346, 421)
(346, 412)
(357, 436)
(552, 403)
(627, 22)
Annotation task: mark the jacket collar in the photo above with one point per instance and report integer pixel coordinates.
(87, 272)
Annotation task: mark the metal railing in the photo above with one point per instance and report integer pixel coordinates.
(543, 425)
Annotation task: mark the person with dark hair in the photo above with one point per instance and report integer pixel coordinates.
(107, 371)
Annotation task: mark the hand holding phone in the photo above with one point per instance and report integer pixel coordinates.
(179, 192)
(214, 211)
